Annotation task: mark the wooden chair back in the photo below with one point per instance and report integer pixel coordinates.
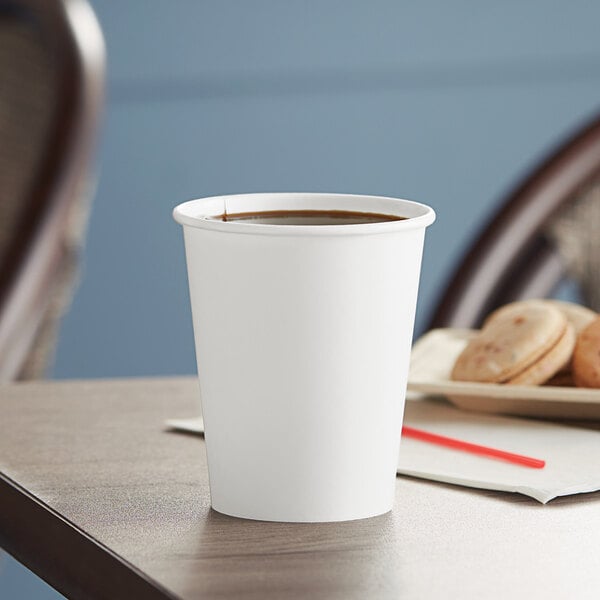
(544, 230)
(51, 93)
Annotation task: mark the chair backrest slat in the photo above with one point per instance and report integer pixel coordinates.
(51, 92)
(512, 259)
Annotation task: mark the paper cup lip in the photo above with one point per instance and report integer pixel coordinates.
(195, 213)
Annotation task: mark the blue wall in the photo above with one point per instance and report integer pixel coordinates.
(447, 103)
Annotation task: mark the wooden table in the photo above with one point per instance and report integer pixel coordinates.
(99, 500)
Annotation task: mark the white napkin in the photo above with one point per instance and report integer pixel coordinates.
(572, 454)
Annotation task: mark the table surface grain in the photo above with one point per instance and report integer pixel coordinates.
(99, 500)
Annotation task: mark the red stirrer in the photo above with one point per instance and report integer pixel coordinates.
(442, 440)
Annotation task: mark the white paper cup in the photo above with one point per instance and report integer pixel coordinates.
(303, 338)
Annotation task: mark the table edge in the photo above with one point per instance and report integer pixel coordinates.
(54, 548)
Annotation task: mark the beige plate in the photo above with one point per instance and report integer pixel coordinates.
(432, 360)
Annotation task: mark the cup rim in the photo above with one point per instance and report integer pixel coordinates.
(195, 213)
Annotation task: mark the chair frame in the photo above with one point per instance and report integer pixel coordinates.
(75, 42)
(512, 259)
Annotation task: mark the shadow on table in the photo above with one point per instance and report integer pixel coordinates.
(239, 555)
